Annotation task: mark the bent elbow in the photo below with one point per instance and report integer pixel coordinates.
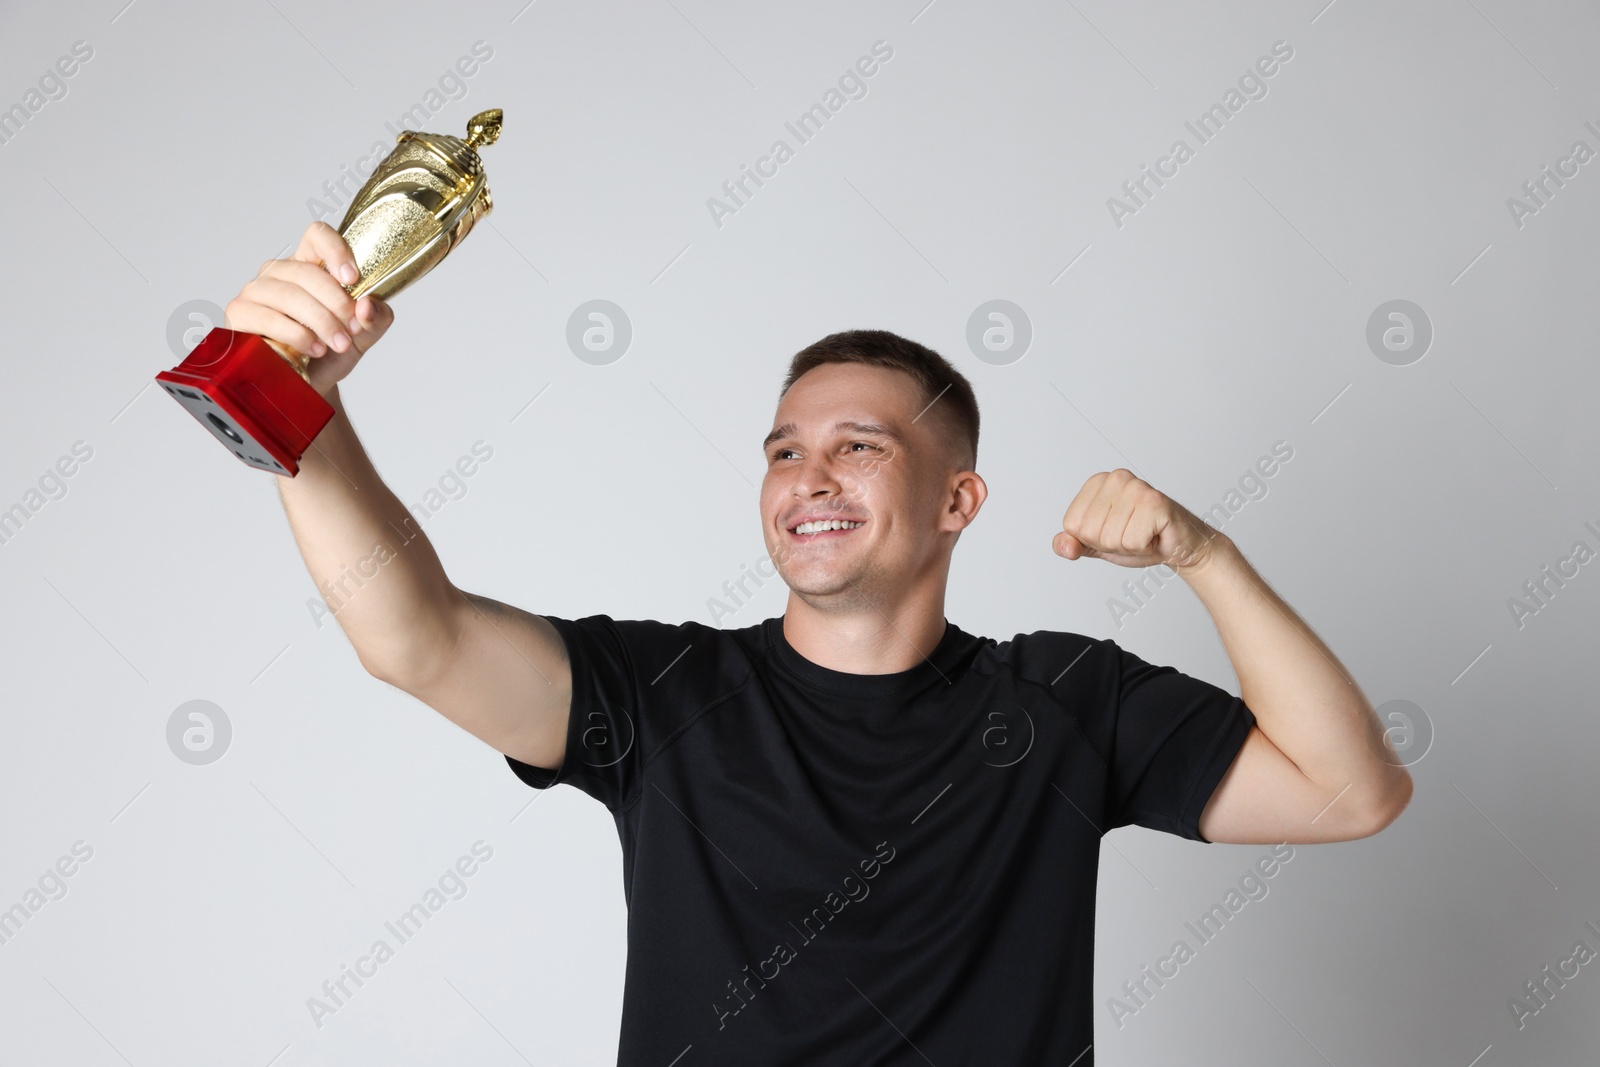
(1393, 802)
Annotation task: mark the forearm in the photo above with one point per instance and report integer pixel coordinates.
(375, 569)
(1304, 700)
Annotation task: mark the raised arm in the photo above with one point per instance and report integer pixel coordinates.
(498, 672)
(1315, 767)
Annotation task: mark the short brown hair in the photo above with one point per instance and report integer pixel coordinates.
(936, 377)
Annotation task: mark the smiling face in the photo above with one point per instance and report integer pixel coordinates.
(848, 447)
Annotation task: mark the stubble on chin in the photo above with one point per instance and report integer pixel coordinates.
(833, 589)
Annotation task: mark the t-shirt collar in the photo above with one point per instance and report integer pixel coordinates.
(935, 667)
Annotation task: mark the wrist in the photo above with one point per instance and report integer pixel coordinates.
(1212, 554)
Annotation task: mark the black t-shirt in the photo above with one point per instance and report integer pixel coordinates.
(849, 870)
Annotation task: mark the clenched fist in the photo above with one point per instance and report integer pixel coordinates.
(297, 302)
(1123, 520)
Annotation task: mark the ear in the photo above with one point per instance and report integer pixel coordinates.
(968, 491)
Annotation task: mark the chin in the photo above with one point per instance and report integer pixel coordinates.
(824, 582)
(813, 581)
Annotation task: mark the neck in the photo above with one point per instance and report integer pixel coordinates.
(880, 639)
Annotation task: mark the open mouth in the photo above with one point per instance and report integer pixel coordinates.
(824, 530)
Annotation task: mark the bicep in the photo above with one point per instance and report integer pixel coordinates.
(1263, 798)
(507, 681)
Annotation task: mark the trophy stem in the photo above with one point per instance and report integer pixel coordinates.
(298, 360)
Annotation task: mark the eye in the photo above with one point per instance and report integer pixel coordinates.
(781, 452)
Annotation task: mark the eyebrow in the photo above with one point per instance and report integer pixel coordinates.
(873, 429)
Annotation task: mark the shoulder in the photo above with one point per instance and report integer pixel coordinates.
(642, 633)
(1059, 660)
(676, 660)
(1071, 672)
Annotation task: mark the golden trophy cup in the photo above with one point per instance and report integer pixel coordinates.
(253, 394)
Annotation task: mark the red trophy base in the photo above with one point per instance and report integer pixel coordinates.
(237, 386)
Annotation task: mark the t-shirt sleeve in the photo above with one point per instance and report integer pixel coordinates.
(1174, 737)
(604, 754)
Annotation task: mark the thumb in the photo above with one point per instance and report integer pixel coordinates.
(375, 317)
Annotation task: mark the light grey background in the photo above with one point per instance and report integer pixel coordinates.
(1228, 314)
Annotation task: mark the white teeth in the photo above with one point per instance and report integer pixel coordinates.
(826, 524)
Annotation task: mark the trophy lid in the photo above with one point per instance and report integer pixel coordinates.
(482, 129)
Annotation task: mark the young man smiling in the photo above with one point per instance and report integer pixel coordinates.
(853, 834)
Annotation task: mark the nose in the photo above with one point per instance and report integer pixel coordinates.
(818, 476)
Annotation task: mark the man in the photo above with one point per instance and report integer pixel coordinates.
(854, 834)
